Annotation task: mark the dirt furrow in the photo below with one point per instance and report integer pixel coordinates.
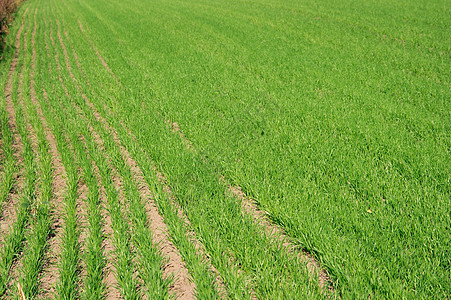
(176, 129)
(8, 212)
(182, 287)
(200, 248)
(191, 234)
(104, 63)
(153, 210)
(82, 224)
(59, 186)
(250, 206)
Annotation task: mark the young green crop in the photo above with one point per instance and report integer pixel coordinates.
(334, 119)
(339, 139)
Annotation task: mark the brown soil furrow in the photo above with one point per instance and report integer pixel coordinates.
(313, 266)
(260, 217)
(191, 234)
(9, 209)
(200, 248)
(182, 287)
(104, 63)
(77, 60)
(8, 213)
(176, 129)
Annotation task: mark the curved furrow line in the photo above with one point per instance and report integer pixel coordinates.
(189, 232)
(104, 63)
(107, 276)
(250, 206)
(8, 159)
(12, 178)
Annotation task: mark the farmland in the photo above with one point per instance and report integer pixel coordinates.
(226, 149)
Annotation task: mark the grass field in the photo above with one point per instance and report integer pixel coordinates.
(226, 149)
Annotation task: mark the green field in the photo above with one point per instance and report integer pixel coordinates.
(128, 129)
